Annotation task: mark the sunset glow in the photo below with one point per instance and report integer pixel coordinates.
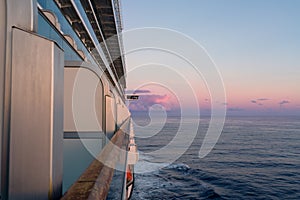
(257, 53)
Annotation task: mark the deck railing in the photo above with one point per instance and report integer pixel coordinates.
(95, 181)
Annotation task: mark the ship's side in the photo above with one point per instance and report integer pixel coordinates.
(64, 124)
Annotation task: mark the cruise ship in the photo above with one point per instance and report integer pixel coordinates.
(66, 131)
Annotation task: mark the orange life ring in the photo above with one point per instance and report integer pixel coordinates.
(128, 175)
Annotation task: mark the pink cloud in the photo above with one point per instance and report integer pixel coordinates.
(146, 101)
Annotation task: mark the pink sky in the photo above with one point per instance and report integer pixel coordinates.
(255, 46)
(243, 102)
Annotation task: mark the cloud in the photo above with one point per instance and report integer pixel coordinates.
(259, 101)
(235, 109)
(284, 102)
(263, 99)
(138, 91)
(146, 101)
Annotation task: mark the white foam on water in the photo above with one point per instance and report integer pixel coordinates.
(147, 165)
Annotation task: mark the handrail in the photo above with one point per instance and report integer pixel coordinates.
(83, 135)
(95, 181)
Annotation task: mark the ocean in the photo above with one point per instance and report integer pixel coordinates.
(255, 158)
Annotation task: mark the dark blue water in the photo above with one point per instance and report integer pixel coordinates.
(255, 158)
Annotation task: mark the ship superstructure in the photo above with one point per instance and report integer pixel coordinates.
(65, 128)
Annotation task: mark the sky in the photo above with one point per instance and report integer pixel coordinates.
(254, 44)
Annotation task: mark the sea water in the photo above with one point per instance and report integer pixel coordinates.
(254, 158)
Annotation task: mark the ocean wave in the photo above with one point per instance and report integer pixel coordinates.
(176, 181)
(179, 167)
(146, 164)
(248, 163)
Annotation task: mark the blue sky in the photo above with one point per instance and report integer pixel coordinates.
(255, 44)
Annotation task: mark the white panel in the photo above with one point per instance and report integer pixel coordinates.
(2, 67)
(83, 100)
(36, 129)
(22, 14)
(110, 109)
